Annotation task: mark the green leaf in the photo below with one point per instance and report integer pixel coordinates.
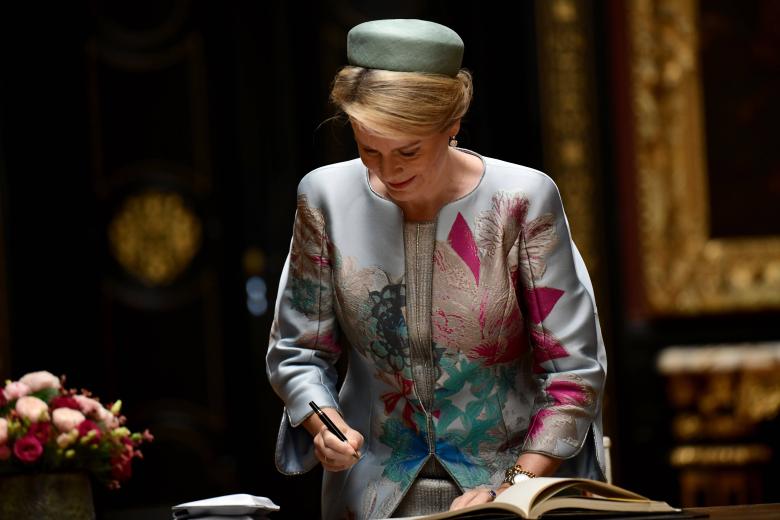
(46, 394)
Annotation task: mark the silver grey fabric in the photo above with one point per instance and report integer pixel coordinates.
(433, 490)
(419, 241)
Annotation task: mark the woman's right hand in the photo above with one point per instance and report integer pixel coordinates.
(334, 454)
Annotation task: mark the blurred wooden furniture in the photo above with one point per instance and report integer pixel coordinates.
(747, 512)
(722, 396)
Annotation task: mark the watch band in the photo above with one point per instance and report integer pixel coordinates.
(515, 471)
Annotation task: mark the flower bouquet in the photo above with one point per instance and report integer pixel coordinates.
(47, 428)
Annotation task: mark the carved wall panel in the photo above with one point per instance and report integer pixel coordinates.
(153, 179)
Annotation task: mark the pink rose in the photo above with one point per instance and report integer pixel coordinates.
(16, 390)
(5, 452)
(3, 400)
(88, 405)
(3, 431)
(92, 408)
(41, 431)
(28, 449)
(32, 408)
(66, 419)
(40, 380)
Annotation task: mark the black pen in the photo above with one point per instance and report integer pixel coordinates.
(330, 426)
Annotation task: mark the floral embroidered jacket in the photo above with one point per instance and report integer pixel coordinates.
(516, 341)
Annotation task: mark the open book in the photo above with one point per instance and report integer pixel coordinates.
(532, 498)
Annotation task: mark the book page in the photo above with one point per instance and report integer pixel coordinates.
(533, 497)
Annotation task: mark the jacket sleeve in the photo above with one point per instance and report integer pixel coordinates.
(303, 344)
(569, 364)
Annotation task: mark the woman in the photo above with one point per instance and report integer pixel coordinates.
(450, 282)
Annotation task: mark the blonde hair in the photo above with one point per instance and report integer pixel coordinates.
(396, 104)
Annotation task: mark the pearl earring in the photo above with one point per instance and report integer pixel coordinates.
(453, 141)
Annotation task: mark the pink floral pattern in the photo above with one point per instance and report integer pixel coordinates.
(462, 242)
(566, 392)
(546, 348)
(570, 398)
(545, 299)
(475, 304)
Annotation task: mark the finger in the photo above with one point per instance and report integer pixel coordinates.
(327, 437)
(461, 501)
(334, 464)
(483, 496)
(355, 440)
(334, 443)
(325, 454)
(344, 449)
(330, 463)
(473, 497)
(456, 504)
(319, 439)
(343, 459)
(327, 441)
(332, 456)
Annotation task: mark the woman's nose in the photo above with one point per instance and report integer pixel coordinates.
(391, 165)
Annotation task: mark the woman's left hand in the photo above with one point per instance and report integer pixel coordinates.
(475, 497)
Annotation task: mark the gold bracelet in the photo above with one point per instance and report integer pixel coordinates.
(517, 469)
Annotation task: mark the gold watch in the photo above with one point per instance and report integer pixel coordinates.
(511, 473)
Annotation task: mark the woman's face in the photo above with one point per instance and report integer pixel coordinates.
(407, 167)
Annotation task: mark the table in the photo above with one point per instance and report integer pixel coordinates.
(745, 512)
(748, 512)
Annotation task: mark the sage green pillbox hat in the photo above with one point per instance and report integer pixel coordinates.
(405, 45)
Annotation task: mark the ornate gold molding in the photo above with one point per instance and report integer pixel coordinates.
(721, 392)
(684, 269)
(569, 122)
(730, 455)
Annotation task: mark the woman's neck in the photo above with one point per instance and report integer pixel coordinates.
(458, 177)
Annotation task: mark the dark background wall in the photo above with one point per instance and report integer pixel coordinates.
(221, 105)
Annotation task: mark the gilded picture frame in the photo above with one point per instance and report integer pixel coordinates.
(684, 269)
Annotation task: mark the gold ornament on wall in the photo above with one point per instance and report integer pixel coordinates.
(154, 236)
(685, 269)
(569, 121)
(723, 397)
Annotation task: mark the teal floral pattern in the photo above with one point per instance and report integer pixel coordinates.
(390, 345)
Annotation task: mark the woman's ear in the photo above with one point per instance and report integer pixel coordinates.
(454, 129)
